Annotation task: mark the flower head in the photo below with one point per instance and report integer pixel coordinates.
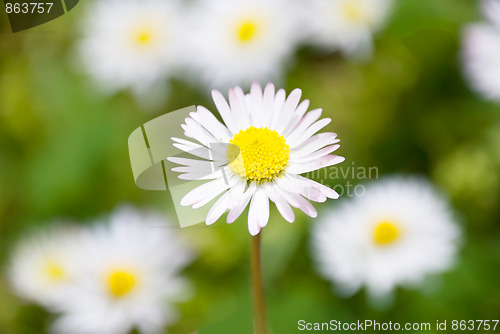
(481, 52)
(238, 41)
(397, 233)
(131, 44)
(267, 141)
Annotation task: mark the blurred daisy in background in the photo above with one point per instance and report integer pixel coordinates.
(131, 44)
(345, 25)
(237, 41)
(42, 267)
(267, 141)
(481, 52)
(397, 233)
(128, 278)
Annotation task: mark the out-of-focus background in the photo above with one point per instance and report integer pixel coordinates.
(63, 154)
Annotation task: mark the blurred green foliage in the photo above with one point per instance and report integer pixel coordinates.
(63, 153)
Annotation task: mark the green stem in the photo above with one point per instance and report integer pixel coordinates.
(259, 311)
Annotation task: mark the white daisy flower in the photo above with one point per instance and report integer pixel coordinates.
(397, 233)
(346, 25)
(42, 266)
(128, 277)
(239, 41)
(267, 141)
(131, 43)
(481, 52)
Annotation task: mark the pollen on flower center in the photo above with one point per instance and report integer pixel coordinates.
(246, 31)
(354, 12)
(385, 233)
(121, 283)
(258, 154)
(54, 272)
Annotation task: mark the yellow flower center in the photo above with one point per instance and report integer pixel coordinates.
(258, 154)
(386, 233)
(246, 31)
(121, 283)
(355, 12)
(54, 272)
(143, 37)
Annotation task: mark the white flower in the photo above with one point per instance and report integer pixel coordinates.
(257, 156)
(481, 52)
(345, 25)
(237, 41)
(398, 232)
(42, 266)
(127, 277)
(131, 44)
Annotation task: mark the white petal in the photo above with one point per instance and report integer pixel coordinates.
(236, 193)
(297, 116)
(187, 143)
(304, 123)
(300, 157)
(289, 107)
(203, 176)
(267, 104)
(310, 131)
(194, 130)
(257, 112)
(279, 101)
(326, 161)
(313, 194)
(306, 206)
(260, 206)
(201, 164)
(297, 201)
(239, 111)
(201, 192)
(212, 124)
(316, 142)
(281, 204)
(210, 196)
(299, 185)
(218, 209)
(201, 152)
(253, 224)
(227, 201)
(236, 210)
(325, 190)
(224, 110)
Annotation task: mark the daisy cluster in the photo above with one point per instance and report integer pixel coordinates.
(481, 52)
(138, 44)
(112, 278)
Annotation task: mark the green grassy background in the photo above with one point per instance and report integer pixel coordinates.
(63, 153)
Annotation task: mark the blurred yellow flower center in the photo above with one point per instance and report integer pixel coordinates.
(258, 154)
(385, 233)
(246, 31)
(143, 37)
(54, 271)
(355, 12)
(121, 283)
